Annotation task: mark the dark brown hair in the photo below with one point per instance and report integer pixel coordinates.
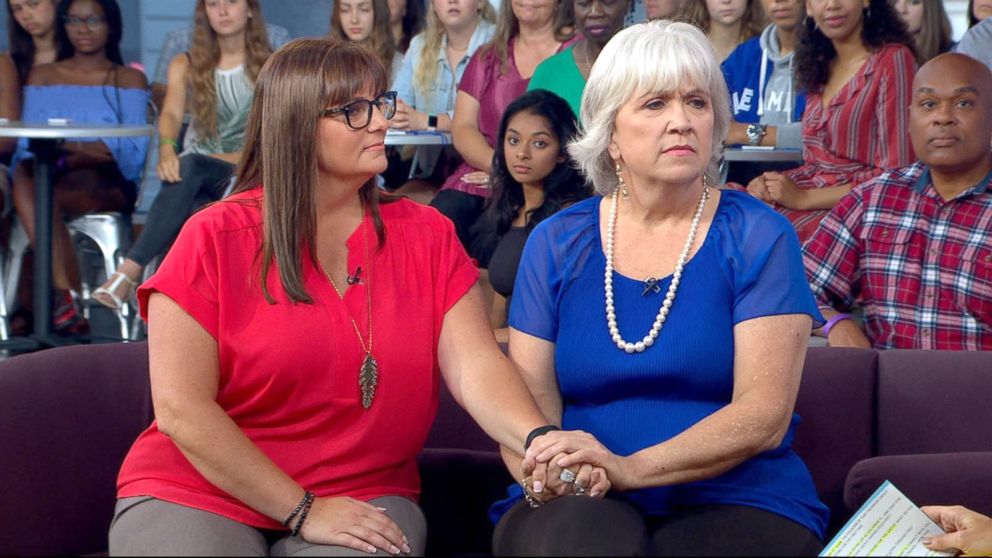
(753, 19)
(935, 32)
(280, 152)
(380, 40)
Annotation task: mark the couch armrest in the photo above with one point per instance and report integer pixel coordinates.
(927, 479)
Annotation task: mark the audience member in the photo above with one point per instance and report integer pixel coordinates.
(927, 23)
(181, 40)
(662, 9)
(913, 247)
(727, 23)
(32, 36)
(766, 106)
(289, 412)
(977, 43)
(978, 10)
(406, 20)
(366, 22)
(968, 533)
(856, 64)
(87, 85)
(532, 178)
(565, 73)
(215, 79)
(431, 70)
(695, 432)
(527, 33)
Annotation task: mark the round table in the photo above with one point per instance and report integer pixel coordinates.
(44, 140)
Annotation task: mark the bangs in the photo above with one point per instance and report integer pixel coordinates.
(665, 63)
(349, 70)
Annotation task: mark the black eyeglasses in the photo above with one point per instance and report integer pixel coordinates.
(358, 113)
(93, 22)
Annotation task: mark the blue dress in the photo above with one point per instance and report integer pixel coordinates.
(748, 266)
(91, 104)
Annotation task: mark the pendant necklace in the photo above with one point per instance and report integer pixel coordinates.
(368, 374)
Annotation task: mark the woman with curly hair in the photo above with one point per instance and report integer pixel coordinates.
(366, 22)
(215, 80)
(856, 62)
(928, 24)
(727, 23)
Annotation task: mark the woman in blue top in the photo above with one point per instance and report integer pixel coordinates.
(667, 321)
(87, 85)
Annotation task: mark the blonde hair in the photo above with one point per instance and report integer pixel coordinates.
(656, 56)
(426, 71)
(204, 55)
(380, 41)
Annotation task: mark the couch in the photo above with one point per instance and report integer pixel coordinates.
(68, 416)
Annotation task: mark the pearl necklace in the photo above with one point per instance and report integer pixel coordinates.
(659, 322)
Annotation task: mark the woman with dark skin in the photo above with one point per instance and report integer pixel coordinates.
(89, 83)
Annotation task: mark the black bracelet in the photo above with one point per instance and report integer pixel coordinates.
(539, 431)
(306, 494)
(307, 502)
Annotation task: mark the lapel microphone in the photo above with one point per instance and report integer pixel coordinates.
(356, 278)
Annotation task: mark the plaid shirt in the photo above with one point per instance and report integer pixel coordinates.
(921, 266)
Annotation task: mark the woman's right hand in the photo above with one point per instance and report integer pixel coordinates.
(168, 165)
(355, 524)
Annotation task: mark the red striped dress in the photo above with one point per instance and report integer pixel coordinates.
(861, 133)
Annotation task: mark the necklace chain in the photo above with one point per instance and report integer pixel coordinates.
(659, 322)
(368, 292)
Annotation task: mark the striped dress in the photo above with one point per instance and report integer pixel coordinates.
(863, 132)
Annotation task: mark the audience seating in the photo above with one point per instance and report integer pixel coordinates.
(69, 415)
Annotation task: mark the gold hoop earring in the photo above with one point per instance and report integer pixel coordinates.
(620, 182)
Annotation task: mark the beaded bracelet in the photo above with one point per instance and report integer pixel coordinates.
(306, 495)
(307, 502)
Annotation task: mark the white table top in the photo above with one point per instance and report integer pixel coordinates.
(394, 137)
(44, 130)
(732, 154)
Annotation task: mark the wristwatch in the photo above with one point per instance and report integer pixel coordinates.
(432, 122)
(755, 133)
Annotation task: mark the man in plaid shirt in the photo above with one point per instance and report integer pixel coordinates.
(913, 247)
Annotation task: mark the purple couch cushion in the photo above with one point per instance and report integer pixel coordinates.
(927, 479)
(934, 402)
(836, 405)
(67, 418)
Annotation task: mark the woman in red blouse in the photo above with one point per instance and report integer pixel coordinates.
(298, 331)
(855, 60)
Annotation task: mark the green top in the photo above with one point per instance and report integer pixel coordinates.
(561, 76)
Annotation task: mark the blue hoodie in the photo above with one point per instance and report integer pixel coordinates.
(756, 70)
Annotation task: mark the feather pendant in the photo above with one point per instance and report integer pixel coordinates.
(368, 378)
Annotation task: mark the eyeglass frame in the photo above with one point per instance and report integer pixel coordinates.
(92, 22)
(389, 97)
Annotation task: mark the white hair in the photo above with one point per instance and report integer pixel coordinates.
(657, 56)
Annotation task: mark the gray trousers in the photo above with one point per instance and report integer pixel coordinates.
(147, 526)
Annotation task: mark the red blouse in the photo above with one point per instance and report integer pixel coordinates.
(863, 132)
(289, 372)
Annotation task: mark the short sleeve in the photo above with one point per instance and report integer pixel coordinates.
(189, 275)
(456, 272)
(769, 277)
(474, 79)
(533, 308)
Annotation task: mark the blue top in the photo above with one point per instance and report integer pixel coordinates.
(748, 266)
(91, 104)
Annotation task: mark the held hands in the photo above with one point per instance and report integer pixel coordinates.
(406, 118)
(777, 188)
(354, 524)
(570, 449)
(967, 531)
(544, 482)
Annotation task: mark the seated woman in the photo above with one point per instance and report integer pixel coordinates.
(366, 22)
(216, 80)
(429, 76)
(291, 403)
(31, 31)
(532, 178)
(88, 85)
(978, 11)
(928, 24)
(857, 66)
(727, 23)
(527, 33)
(668, 321)
(565, 73)
(406, 20)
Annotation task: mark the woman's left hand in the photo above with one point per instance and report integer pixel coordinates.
(581, 448)
(589, 480)
(783, 191)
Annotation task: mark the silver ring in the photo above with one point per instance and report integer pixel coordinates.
(579, 489)
(566, 476)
